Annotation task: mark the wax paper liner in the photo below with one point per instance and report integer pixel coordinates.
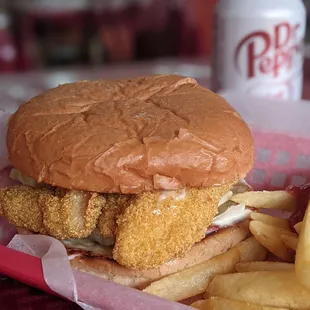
(87, 291)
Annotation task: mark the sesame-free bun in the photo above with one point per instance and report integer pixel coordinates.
(130, 136)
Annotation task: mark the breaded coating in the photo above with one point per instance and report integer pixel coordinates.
(158, 227)
(71, 214)
(1, 201)
(113, 207)
(20, 206)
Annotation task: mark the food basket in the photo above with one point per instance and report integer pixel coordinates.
(281, 132)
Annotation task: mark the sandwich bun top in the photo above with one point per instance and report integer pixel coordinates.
(129, 136)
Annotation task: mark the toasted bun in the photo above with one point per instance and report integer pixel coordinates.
(130, 136)
(202, 251)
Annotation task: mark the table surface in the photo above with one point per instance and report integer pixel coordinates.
(17, 88)
(18, 296)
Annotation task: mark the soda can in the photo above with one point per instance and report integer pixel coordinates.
(258, 47)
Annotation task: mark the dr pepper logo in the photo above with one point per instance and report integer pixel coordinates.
(267, 53)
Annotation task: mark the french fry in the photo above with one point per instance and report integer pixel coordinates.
(280, 200)
(195, 280)
(251, 250)
(270, 237)
(302, 262)
(271, 220)
(218, 303)
(263, 266)
(264, 288)
(298, 227)
(290, 240)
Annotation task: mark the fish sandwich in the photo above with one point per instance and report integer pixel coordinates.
(133, 176)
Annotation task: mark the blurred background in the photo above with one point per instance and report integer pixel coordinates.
(103, 38)
(40, 34)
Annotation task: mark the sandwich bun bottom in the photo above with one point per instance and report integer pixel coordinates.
(212, 245)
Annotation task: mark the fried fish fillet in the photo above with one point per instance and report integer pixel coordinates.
(114, 206)
(58, 213)
(150, 228)
(71, 214)
(158, 227)
(20, 206)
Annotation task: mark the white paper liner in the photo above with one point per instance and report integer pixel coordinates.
(57, 272)
(88, 291)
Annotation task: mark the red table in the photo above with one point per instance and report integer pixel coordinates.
(16, 88)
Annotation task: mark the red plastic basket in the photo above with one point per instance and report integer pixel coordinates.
(280, 160)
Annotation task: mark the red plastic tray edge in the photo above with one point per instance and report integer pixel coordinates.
(23, 267)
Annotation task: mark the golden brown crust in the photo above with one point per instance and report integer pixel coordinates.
(114, 206)
(74, 215)
(156, 227)
(62, 214)
(20, 206)
(202, 251)
(130, 136)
